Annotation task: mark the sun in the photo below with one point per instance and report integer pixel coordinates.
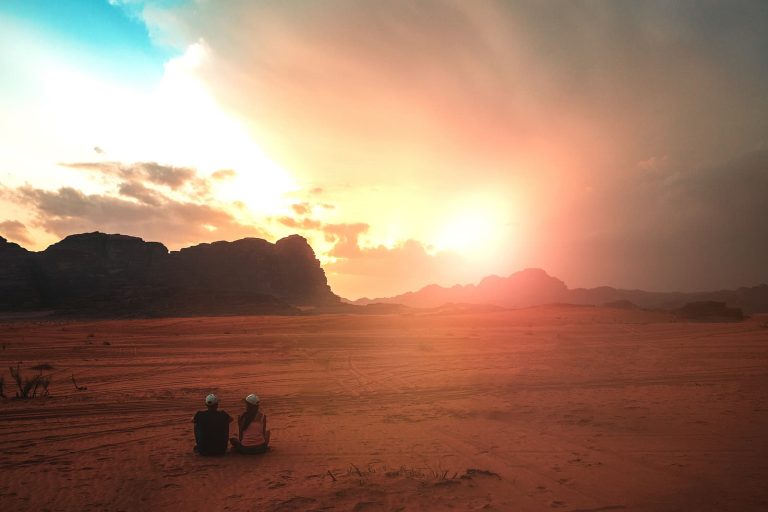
(470, 232)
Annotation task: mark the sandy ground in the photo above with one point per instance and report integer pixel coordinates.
(573, 409)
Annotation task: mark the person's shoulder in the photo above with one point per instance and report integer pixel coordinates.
(199, 413)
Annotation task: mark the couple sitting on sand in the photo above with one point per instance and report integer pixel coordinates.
(212, 429)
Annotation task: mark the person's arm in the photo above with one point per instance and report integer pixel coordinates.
(264, 431)
(240, 421)
(194, 418)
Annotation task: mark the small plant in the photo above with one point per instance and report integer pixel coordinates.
(28, 387)
(16, 376)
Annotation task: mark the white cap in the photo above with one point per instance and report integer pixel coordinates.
(252, 399)
(211, 399)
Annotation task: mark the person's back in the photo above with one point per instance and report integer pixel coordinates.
(252, 426)
(253, 434)
(211, 429)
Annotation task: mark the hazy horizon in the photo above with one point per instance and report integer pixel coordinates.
(448, 285)
(608, 143)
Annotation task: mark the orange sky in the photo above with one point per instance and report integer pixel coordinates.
(410, 142)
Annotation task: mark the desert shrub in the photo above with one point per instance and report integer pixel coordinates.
(28, 387)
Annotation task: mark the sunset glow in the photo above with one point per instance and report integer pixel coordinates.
(470, 231)
(484, 137)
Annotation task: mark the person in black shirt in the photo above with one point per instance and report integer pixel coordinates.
(211, 428)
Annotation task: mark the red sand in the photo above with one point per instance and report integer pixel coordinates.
(573, 409)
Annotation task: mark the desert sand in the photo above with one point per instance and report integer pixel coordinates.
(550, 408)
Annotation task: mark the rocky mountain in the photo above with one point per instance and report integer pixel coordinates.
(532, 287)
(525, 288)
(100, 274)
(18, 277)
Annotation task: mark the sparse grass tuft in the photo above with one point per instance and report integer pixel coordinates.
(29, 387)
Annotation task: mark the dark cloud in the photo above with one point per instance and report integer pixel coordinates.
(169, 176)
(669, 228)
(176, 223)
(15, 231)
(485, 82)
(141, 193)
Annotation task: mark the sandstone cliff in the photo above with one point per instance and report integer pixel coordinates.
(100, 274)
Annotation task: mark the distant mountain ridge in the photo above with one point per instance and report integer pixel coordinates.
(102, 274)
(533, 287)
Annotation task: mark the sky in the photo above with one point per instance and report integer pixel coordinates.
(614, 143)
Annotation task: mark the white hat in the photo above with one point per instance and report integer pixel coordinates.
(211, 399)
(252, 399)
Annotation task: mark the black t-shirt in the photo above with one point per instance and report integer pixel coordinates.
(214, 431)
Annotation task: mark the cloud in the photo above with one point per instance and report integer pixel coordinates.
(307, 224)
(168, 176)
(358, 270)
(586, 117)
(386, 271)
(141, 193)
(138, 210)
(345, 238)
(613, 130)
(16, 231)
(488, 84)
(674, 229)
(223, 174)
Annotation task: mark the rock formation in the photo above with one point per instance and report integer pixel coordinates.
(18, 279)
(525, 288)
(533, 287)
(100, 274)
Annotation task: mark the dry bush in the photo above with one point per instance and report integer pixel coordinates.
(28, 387)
